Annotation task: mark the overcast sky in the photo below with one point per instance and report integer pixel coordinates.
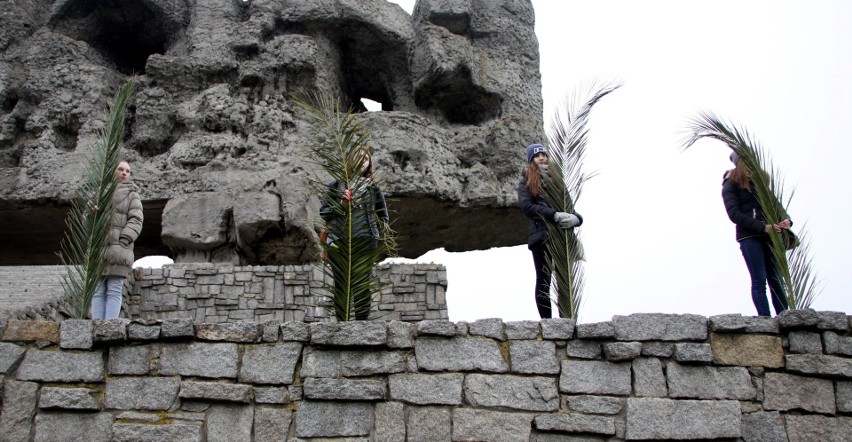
(656, 234)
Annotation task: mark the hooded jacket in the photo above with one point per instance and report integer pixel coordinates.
(126, 226)
(743, 210)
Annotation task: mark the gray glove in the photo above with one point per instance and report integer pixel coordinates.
(566, 220)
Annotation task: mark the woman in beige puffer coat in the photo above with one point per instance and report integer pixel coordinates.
(126, 226)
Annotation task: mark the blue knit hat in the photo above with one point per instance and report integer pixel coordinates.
(533, 150)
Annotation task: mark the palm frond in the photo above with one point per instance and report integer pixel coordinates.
(567, 137)
(339, 150)
(804, 286)
(87, 226)
(794, 267)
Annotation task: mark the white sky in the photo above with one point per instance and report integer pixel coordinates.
(656, 234)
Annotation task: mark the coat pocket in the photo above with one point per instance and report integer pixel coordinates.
(118, 255)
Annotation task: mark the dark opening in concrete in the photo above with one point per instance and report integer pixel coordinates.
(125, 32)
(31, 234)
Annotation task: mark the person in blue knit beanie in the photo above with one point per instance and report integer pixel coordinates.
(532, 202)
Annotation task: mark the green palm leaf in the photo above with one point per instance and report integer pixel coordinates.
(568, 136)
(339, 150)
(794, 266)
(87, 226)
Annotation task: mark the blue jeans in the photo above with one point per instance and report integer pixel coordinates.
(106, 303)
(761, 267)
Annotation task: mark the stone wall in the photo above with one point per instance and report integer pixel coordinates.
(36, 293)
(637, 377)
(30, 292)
(217, 293)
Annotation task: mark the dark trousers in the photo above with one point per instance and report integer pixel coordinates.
(762, 269)
(542, 280)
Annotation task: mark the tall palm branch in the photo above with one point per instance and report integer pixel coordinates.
(795, 267)
(87, 226)
(340, 147)
(568, 136)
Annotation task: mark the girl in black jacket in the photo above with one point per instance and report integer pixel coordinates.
(753, 236)
(531, 200)
(370, 213)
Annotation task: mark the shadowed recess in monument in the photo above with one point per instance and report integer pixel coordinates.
(243, 9)
(124, 32)
(373, 65)
(279, 245)
(167, 130)
(457, 229)
(455, 97)
(32, 234)
(456, 22)
(8, 102)
(66, 131)
(150, 242)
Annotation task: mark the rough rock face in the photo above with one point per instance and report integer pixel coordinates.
(218, 148)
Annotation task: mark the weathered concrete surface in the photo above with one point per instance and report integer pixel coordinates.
(218, 148)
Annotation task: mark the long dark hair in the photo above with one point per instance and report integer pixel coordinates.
(533, 175)
(739, 175)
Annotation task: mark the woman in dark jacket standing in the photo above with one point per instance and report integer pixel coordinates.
(531, 200)
(753, 235)
(370, 215)
(126, 226)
